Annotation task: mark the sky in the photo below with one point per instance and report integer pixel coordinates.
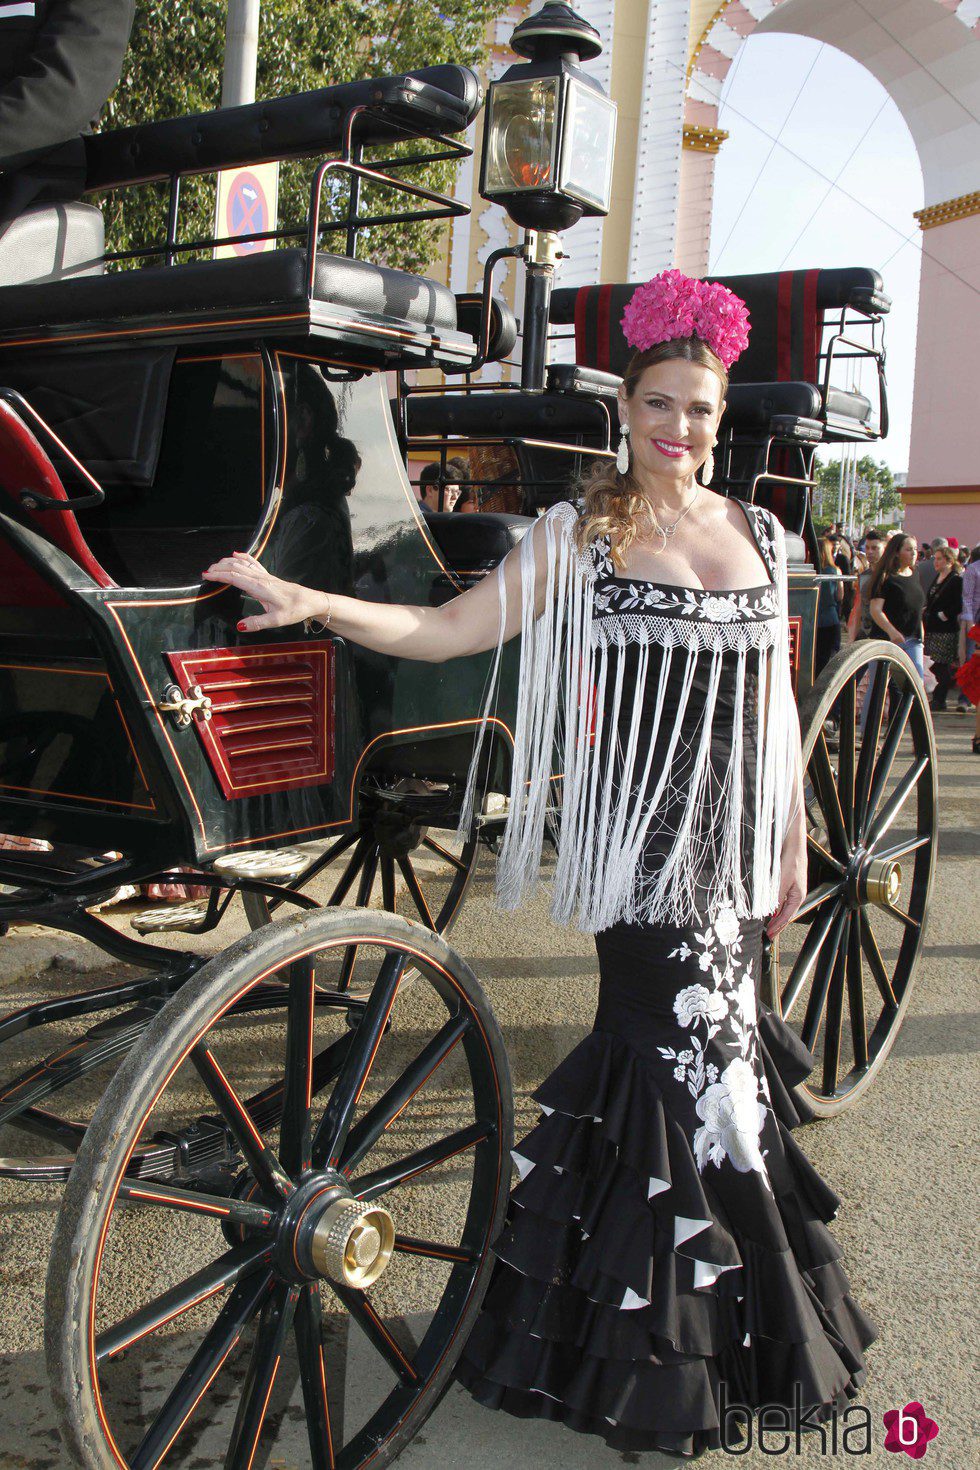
(820, 170)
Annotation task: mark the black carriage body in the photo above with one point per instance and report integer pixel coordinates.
(87, 757)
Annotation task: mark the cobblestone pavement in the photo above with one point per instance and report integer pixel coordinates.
(904, 1164)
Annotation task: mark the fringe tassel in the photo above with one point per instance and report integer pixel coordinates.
(570, 703)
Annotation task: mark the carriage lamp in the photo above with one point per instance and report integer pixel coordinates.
(549, 129)
(547, 155)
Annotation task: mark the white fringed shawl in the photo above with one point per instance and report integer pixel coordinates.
(571, 683)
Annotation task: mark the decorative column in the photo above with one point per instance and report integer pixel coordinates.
(656, 189)
(943, 493)
(700, 145)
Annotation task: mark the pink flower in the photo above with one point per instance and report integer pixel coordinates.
(672, 304)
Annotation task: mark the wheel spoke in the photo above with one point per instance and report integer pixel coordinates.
(389, 898)
(846, 756)
(883, 819)
(902, 849)
(824, 855)
(814, 942)
(376, 1332)
(459, 863)
(274, 1324)
(825, 787)
(384, 1112)
(835, 1011)
(414, 888)
(260, 1158)
(226, 1271)
(889, 750)
(234, 1211)
(901, 916)
(295, 1134)
(877, 965)
(331, 1134)
(218, 1345)
(875, 706)
(821, 894)
(821, 985)
(346, 882)
(308, 1328)
(433, 1249)
(855, 992)
(370, 1186)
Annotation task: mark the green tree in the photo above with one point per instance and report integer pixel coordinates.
(174, 67)
(877, 493)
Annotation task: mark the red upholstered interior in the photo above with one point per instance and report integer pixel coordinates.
(25, 466)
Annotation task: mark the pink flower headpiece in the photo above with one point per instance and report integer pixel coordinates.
(674, 305)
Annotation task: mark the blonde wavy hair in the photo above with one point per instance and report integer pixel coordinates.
(614, 504)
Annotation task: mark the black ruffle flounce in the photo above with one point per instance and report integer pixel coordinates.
(628, 1287)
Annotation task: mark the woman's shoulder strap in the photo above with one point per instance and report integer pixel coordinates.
(765, 530)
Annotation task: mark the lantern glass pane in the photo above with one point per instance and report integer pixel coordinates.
(587, 146)
(522, 135)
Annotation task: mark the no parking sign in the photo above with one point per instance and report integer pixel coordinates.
(247, 205)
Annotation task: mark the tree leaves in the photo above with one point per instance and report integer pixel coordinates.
(174, 67)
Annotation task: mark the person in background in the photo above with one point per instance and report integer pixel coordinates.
(859, 625)
(434, 496)
(828, 606)
(969, 616)
(844, 562)
(926, 570)
(897, 599)
(59, 60)
(469, 501)
(964, 556)
(944, 601)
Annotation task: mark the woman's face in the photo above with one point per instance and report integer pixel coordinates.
(673, 416)
(909, 552)
(939, 562)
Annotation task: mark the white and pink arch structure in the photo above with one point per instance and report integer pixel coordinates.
(665, 62)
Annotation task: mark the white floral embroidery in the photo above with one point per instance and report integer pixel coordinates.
(726, 926)
(722, 609)
(696, 1002)
(732, 1120)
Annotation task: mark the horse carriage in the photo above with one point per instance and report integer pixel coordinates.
(262, 1146)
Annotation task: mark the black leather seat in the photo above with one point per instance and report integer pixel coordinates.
(471, 544)
(506, 415)
(273, 280)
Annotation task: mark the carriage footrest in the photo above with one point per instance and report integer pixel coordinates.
(189, 917)
(275, 865)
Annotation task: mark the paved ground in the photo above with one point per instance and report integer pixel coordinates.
(904, 1164)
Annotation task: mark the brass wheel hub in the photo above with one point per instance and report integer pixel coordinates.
(352, 1242)
(325, 1232)
(875, 880)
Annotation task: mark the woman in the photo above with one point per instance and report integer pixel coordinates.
(944, 602)
(829, 606)
(666, 1246)
(897, 600)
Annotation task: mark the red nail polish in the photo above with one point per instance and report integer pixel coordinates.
(242, 628)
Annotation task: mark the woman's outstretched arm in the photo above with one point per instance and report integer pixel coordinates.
(468, 624)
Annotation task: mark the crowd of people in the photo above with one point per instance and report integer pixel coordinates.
(924, 599)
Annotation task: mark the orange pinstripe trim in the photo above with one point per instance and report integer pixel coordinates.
(265, 1406)
(204, 1297)
(164, 1199)
(234, 1099)
(129, 806)
(326, 1405)
(388, 1337)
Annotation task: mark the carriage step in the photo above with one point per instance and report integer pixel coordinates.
(188, 917)
(273, 866)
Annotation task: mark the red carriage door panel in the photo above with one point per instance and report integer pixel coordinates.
(272, 713)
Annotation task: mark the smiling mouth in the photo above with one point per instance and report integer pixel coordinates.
(674, 451)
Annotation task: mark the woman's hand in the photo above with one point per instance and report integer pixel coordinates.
(792, 879)
(285, 603)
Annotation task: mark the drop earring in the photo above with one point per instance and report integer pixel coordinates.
(623, 452)
(708, 469)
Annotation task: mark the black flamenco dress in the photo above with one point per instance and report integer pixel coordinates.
(666, 1247)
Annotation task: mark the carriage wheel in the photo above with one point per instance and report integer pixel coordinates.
(847, 964)
(306, 1296)
(398, 856)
